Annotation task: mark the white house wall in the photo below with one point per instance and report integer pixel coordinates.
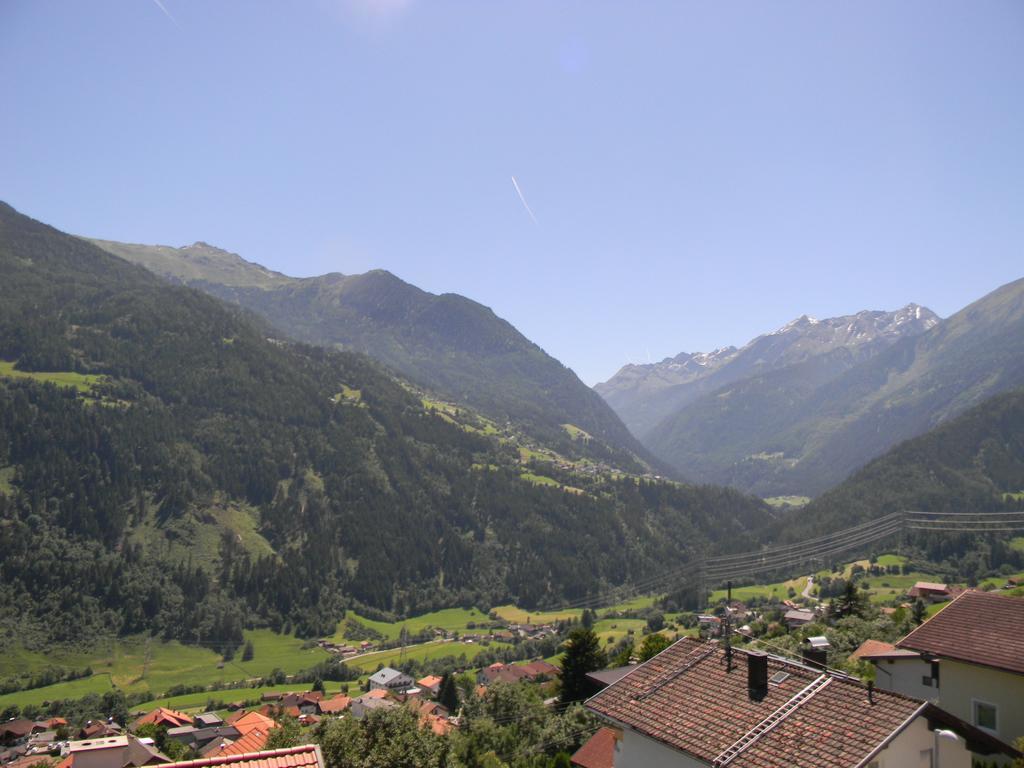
(636, 751)
(905, 676)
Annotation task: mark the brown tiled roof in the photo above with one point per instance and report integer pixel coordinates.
(876, 649)
(337, 704)
(686, 698)
(307, 756)
(976, 627)
(598, 751)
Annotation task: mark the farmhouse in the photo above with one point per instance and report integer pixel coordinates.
(389, 679)
(929, 591)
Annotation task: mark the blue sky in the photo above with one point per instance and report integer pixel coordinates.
(699, 172)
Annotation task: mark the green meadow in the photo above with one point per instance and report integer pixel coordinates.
(81, 381)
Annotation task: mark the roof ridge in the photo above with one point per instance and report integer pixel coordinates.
(698, 655)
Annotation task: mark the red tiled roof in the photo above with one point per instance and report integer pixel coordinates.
(876, 649)
(253, 741)
(253, 721)
(429, 681)
(337, 704)
(686, 698)
(598, 752)
(307, 756)
(163, 716)
(976, 627)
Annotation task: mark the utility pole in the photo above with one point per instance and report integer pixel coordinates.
(728, 626)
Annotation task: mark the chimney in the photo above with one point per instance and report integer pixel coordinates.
(757, 674)
(871, 691)
(816, 657)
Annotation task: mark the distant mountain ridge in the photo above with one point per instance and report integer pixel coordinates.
(973, 462)
(445, 342)
(803, 428)
(645, 395)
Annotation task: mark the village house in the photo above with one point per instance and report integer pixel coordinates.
(375, 699)
(431, 684)
(124, 751)
(798, 617)
(253, 731)
(334, 706)
(161, 716)
(197, 738)
(968, 658)
(698, 704)
(389, 679)
(929, 592)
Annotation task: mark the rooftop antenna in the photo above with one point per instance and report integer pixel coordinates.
(728, 627)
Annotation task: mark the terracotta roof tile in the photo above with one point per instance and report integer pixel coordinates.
(686, 698)
(598, 751)
(876, 649)
(976, 627)
(307, 756)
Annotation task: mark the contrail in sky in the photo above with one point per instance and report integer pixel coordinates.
(167, 13)
(526, 205)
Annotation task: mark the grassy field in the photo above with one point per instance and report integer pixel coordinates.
(787, 501)
(82, 382)
(435, 650)
(450, 619)
(197, 701)
(121, 663)
(516, 615)
(778, 590)
(1017, 543)
(576, 433)
(530, 477)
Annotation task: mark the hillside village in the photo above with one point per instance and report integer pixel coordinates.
(936, 673)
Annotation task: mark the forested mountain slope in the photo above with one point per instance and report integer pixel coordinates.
(646, 395)
(973, 463)
(446, 342)
(803, 429)
(166, 466)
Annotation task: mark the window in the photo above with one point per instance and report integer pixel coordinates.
(986, 715)
(924, 760)
(926, 680)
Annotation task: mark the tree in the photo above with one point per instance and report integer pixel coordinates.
(318, 685)
(587, 618)
(623, 656)
(248, 652)
(582, 655)
(448, 694)
(919, 611)
(656, 622)
(285, 735)
(850, 602)
(652, 646)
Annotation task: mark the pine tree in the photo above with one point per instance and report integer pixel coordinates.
(448, 694)
(918, 611)
(248, 652)
(582, 655)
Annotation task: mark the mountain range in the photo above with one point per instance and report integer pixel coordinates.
(645, 395)
(446, 343)
(821, 399)
(171, 463)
